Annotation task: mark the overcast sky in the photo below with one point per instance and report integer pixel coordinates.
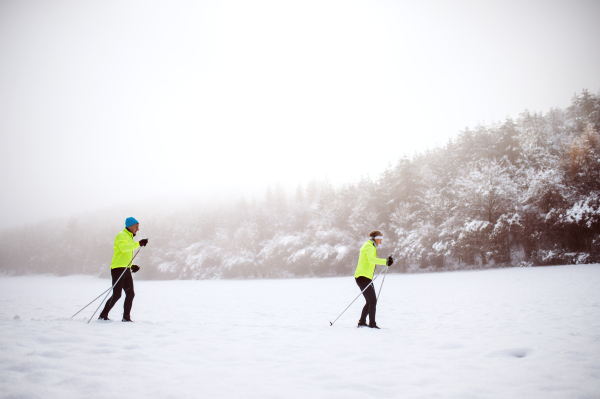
(106, 102)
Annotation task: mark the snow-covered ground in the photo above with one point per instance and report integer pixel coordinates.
(507, 333)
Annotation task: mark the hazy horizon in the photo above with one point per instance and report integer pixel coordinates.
(106, 104)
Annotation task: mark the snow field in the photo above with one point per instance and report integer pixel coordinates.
(505, 333)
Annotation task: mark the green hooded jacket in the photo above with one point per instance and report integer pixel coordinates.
(367, 260)
(124, 247)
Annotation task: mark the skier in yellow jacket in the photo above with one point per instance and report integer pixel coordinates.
(364, 276)
(121, 268)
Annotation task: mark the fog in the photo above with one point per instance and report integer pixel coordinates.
(110, 103)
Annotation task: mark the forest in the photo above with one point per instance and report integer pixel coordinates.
(518, 193)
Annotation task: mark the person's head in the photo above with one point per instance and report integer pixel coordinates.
(132, 225)
(376, 236)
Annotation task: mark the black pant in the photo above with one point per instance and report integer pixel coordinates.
(371, 305)
(125, 283)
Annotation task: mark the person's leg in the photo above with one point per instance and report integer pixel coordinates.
(115, 273)
(129, 294)
(364, 313)
(371, 299)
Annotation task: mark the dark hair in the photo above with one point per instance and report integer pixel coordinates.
(375, 233)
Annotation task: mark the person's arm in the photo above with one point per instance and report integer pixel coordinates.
(373, 259)
(126, 245)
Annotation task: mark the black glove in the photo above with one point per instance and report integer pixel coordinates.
(135, 268)
(143, 242)
(390, 260)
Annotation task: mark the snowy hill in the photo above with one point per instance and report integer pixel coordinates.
(504, 333)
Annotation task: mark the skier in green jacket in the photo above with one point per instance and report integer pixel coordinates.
(121, 268)
(364, 276)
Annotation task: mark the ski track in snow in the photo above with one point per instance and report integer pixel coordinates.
(505, 333)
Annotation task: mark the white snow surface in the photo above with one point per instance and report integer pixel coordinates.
(504, 333)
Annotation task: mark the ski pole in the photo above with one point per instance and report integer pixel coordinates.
(102, 301)
(104, 291)
(331, 322)
(91, 302)
(107, 289)
(88, 322)
(382, 281)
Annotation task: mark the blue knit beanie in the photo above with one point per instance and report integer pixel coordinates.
(130, 222)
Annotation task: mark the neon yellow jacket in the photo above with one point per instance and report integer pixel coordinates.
(367, 260)
(124, 247)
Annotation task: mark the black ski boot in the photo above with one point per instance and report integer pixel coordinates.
(103, 317)
(362, 324)
(126, 317)
(374, 326)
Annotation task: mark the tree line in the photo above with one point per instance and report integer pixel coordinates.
(522, 192)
